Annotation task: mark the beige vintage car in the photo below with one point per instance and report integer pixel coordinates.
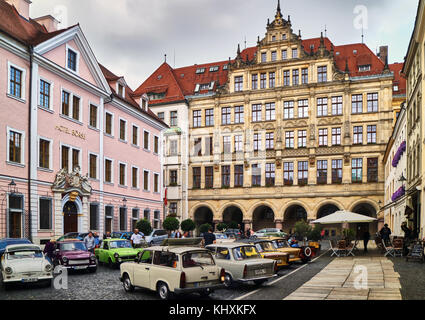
(178, 266)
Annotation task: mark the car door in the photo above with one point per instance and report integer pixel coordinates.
(103, 251)
(142, 268)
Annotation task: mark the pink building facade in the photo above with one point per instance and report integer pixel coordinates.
(79, 151)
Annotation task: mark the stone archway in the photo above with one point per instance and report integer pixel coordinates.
(233, 214)
(369, 210)
(203, 215)
(292, 215)
(263, 217)
(326, 210)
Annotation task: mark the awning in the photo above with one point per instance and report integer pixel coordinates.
(344, 217)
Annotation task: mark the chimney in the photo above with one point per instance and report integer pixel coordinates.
(383, 53)
(23, 7)
(49, 22)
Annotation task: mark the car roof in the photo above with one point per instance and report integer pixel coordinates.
(252, 240)
(70, 240)
(230, 245)
(114, 239)
(15, 239)
(177, 250)
(14, 247)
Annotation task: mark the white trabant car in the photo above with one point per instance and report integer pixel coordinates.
(178, 266)
(23, 263)
(242, 263)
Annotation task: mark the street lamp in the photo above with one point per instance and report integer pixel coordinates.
(402, 178)
(12, 187)
(124, 201)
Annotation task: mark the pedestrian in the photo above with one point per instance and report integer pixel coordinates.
(248, 233)
(49, 250)
(407, 238)
(186, 234)
(178, 234)
(136, 238)
(96, 240)
(385, 234)
(322, 234)
(173, 234)
(366, 238)
(209, 237)
(107, 235)
(90, 242)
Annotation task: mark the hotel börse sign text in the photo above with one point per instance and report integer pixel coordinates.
(75, 133)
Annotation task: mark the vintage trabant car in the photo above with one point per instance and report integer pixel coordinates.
(73, 254)
(274, 232)
(305, 252)
(267, 251)
(25, 263)
(176, 267)
(295, 254)
(9, 241)
(223, 238)
(242, 263)
(115, 251)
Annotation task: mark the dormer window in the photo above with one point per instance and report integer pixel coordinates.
(204, 86)
(200, 70)
(156, 96)
(354, 51)
(225, 67)
(364, 68)
(214, 69)
(395, 88)
(312, 47)
(120, 90)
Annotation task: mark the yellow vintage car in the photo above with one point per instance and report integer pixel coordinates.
(267, 251)
(280, 244)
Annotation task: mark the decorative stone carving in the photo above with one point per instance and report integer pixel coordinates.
(312, 132)
(73, 180)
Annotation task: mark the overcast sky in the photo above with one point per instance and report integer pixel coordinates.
(130, 37)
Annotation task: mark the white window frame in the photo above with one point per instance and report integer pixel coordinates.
(77, 71)
(51, 103)
(149, 141)
(159, 182)
(50, 152)
(8, 129)
(138, 135)
(138, 178)
(112, 124)
(51, 212)
(159, 145)
(97, 115)
(23, 81)
(125, 174)
(71, 106)
(112, 170)
(126, 133)
(97, 164)
(119, 83)
(149, 176)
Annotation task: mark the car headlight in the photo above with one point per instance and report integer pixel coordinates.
(65, 259)
(92, 258)
(8, 270)
(48, 268)
(116, 255)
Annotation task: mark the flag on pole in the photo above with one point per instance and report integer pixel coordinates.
(165, 197)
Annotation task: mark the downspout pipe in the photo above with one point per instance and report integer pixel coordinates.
(31, 52)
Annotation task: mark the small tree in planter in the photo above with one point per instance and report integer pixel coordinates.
(315, 233)
(349, 235)
(171, 224)
(222, 226)
(188, 225)
(204, 228)
(144, 226)
(302, 229)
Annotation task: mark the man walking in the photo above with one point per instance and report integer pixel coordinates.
(385, 234)
(209, 237)
(366, 238)
(90, 242)
(136, 239)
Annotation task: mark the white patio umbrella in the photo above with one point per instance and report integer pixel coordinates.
(344, 217)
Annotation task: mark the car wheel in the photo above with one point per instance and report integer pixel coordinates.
(163, 291)
(260, 282)
(128, 287)
(228, 281)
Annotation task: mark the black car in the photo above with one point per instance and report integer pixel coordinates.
(8, 241)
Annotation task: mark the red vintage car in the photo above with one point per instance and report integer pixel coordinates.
(73, 254)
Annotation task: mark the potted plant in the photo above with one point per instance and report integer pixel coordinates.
(188, 225)
(144, 226)
(170, 224)
(222, 226)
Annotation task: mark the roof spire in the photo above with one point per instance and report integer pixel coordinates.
(239, 49)
(165, 58)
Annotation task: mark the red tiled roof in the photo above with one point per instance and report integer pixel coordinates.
(399, 79)
(26, 31)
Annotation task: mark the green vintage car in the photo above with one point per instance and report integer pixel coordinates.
(115, 251)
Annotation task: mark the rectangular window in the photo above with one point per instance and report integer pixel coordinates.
(44, 94)
(239, 114)
(173, 148)
(284, 54)
(322, 74)
(286, 78)
(372, 102)
(209, 146)
(108, 171)
(357, 103)
(256, 112)
(302, 173)
(294, 53)
(65, 103)
(288, 110)
(76, 108)
(288, 173)
(304, 76)
(209, 177)
(123, 219)
(94, 212)
(108, 123)
(256, 175)
(72, 60)
(135, 136)
(269, 141)
(226, 145)
(156, 145)
(15, 82)
(173, 208)
(134, 217)
(302, 138)
(270, 174)
(65, 157)
(173, 118)
(161, 116)
(122, 174)
(156, 182)
(323, 137)
(322, 107)
(173, 177)
(272, 79)
(238, 176)
(75, 158)
(197, 147)
(263, 80)
(209, 117)
(371, 134)
(45, 214)
(254, 79)
(146, 180)
(303, 108)
(44, 156)
(295, 77)
(358, 135)
(238, 83)
(274, 55)
(15, 147)
(93, 116)
(322, 172)
(257, 141)
(337, 106)
(93, 166)
(225, 176)
(134, 177)
(357, 170)
(336, 136)
(123, 124)
(238, 143)
(337, 171)
(146, 144)
(270, 112)
(197, 118)
(289, 140)
(225, 115)
(263, 56)
(372, 170)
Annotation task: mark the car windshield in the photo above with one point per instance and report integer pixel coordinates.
(119, 244)
(73, 246)
(279, 244)
(220, 236)
(264, 246)
(4, 244)
(194, 259)
(24, 254)
(244, 253)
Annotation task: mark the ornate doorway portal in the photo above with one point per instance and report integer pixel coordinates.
(70, 217)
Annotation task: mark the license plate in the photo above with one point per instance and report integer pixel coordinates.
(80, 267)
(30, 280)
(260, 271)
